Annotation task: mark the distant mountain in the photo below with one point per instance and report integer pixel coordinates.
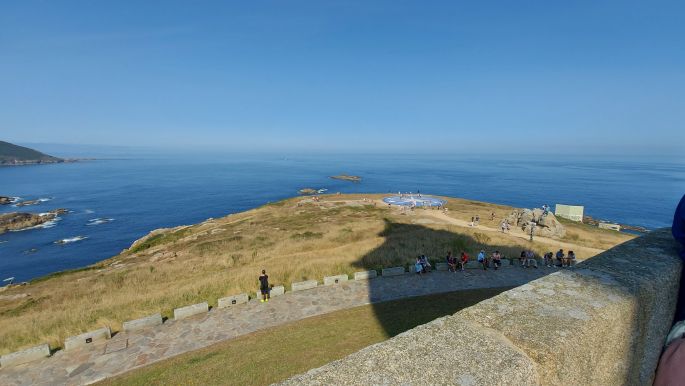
(11, 154)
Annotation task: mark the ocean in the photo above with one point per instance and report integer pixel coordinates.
(113, 202)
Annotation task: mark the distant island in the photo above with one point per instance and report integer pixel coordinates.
(15, 155)
(347, 178)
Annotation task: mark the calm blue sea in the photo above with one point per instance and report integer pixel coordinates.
(141, 194)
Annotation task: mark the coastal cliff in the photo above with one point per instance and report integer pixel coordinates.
(16, 155)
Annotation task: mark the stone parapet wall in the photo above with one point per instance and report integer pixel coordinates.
(603, 323)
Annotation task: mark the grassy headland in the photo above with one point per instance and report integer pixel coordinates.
(295, 239)
(11, 154)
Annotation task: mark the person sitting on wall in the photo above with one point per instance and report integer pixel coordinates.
(451, 262)
(570, 259)
(522, 258)
(464, 259)
(418, 267)
(482, 259)
(530, 259)
(560, 258)
(425, 263)
(496, 260)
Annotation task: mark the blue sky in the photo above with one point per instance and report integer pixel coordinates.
(478, 76)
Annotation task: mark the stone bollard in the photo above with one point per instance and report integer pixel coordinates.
(365, 275)
(233, 300)
(24, 356)
(87, 338)
(188, 311)
(330, 280)
(137, 324)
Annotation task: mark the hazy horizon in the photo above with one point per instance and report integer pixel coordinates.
(347, 76)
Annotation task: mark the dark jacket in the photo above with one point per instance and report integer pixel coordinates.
(678, 228)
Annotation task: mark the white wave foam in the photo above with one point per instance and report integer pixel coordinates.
(99, 220)
(89, 211)
(71, 240)
(44, 199)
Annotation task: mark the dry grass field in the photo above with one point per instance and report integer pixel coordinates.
(294, 240)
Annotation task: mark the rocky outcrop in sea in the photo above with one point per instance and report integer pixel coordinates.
(17, 221)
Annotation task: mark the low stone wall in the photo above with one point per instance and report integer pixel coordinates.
(24, 356)
(232, 300)
(330, 280)
(87, 338)
(601, 323)
(304, 285)
(188, 311)
(146, 322)
(365, 275)
(394, 271)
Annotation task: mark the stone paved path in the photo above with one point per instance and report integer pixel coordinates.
(126, 351)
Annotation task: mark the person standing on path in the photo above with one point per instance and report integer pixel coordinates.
(264, 286)
(532, 229)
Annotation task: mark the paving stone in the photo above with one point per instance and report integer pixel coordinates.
(116, 345)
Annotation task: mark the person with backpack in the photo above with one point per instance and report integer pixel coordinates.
(264, 286)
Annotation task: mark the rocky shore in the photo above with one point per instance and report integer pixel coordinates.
(18, 221)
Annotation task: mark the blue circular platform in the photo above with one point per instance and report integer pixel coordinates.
(414, 200)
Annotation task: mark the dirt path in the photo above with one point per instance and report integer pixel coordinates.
(514, 233)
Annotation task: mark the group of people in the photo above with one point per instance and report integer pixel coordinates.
(562, 260)
(527, 259)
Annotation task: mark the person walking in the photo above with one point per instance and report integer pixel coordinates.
(264, 286)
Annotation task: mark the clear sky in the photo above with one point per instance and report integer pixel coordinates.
(425, 76)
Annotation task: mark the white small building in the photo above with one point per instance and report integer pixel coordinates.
(571, 212)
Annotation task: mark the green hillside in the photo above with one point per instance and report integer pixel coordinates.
(11, 154)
